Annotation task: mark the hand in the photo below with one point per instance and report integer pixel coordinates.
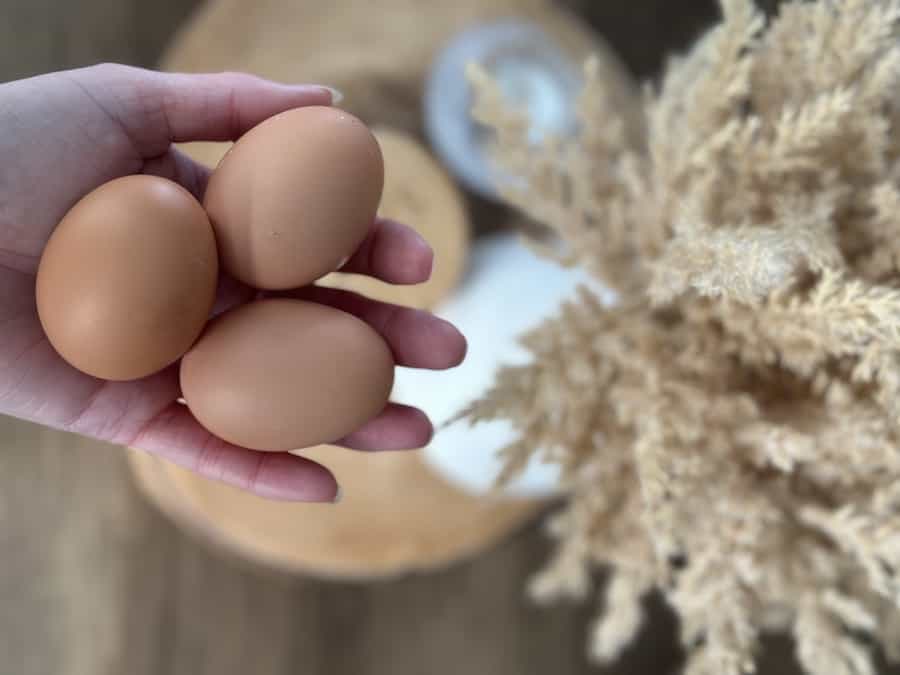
(66, 133)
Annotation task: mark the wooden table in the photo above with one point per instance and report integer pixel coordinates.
(93, 581)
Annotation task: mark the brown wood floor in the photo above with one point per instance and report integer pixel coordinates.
(93, 581)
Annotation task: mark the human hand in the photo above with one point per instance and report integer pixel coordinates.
(65, 134)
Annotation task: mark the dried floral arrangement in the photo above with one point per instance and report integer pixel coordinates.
(729, 430)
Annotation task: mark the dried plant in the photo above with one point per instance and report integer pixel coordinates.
(729, 430)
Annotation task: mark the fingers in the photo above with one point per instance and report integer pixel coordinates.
(176, 436)
(155, 109)
(394, 253)
(231, 293)
(399, 427)
(417, 338)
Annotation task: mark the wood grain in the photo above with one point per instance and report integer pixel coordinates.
(93, 581)
(41, 35)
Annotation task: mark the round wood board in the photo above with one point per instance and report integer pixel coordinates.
(396, 515)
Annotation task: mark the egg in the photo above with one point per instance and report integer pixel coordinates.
(295, 196)
(282, 374)
(128, 278)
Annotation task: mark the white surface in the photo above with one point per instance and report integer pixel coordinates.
(508, 290)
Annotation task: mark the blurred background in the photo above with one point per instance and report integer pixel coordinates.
(94, 581)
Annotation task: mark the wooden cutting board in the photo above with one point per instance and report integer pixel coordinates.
(397, 515)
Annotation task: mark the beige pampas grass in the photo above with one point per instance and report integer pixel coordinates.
(729, 431)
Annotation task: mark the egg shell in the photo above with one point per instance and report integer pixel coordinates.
(295, 196)
(282, 374)
(128, 278)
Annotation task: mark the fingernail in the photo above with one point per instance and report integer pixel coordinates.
(336, 95)
(426, 267)
(427, 270)
(421, 241)
(338, 496)
(343, 262)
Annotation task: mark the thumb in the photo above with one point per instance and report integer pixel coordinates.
(157, 109)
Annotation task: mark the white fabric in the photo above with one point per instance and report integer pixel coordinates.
(508, 290)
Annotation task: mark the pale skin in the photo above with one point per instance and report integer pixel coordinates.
(65, 134)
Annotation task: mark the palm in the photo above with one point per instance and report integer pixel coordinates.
(37, 384)
(67, 133)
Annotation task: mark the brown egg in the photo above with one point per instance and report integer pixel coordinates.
(295, 196)
(128, 278)
(285, 374)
